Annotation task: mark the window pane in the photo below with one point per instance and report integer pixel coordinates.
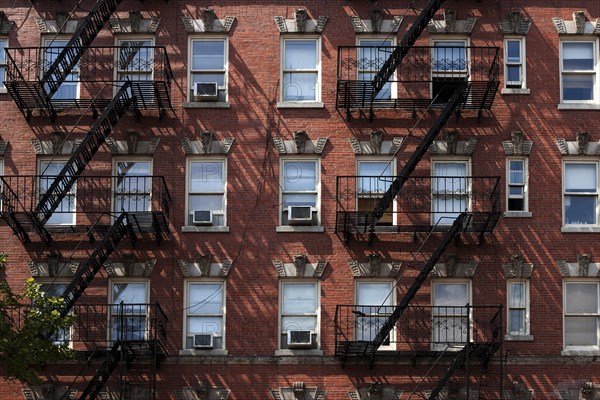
(205, 298)
(517, 295)
(208, 54)
(580, 210)
(386, 91)
(375, 294)
(206, 202)
(517, 322)
(449, 56)
(298, 324)
(300, 200)
(513, 51)
(372, 58)
(300, 54)
(516, 190)
(581, 298)
(2, 54)
(516, 171)
(516, 205)
(371, 170)
(580, 177)
(299, 176)
(578, 56)
(206, 177)
(210, 78)
(129, 293)
(450, 294)
(581, 331)
(299, 298)
(578, 87)
(205, 325)
(514, 73)
(300, 86)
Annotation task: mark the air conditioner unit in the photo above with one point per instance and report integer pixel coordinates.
(202, 217)
(206, 91)
(299, 215)
(297, 339)
(203, 341)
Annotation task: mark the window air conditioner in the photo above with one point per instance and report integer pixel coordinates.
(299, 215)
(206, 91)
(202, 217)
(203, 341)
(297, 339)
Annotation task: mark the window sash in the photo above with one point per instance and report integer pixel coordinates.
(581, 314)
(3, 63)
(213, 179)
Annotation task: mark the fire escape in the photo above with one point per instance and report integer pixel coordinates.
(457, 79)
(134, 206)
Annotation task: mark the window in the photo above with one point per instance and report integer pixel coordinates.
(372, 54)
(580, 183)
(65, 212)
(449, 68)
(450, 192)
(578, 67)
(376, 301)
(514, 63)
(516, 181)
(206, 192)
(205, 313)
(299, 309)
(518, 308)
(129, 311)
(69, 89)
(301, 70)
(373, 181)
(450, 314)
(133, 186)
(135, 60)
(56, 289)
(208, 65)
(581, 315)
(3, 45)
(299, 190)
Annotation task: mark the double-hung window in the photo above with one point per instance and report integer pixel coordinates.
(56, 289)
(3, 45)
(207, 182)
(135, 60)
(581, 315)
(579, 71)
(514, 63)
(205, 313)
(372, 54)
(580, 193)
(516, 181)
(129, 311)
(300, 192)
(132, 186)
(299, 315)
(64, 214)
(375, 303)
(450, 314)
(518, 308)
(301, 70)
(374, 179)
(450, 66)
(69, 88)
(450, 191)
(208, 70)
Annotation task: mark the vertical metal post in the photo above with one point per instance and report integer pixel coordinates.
(468, 350)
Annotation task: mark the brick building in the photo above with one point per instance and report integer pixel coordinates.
(307, 200)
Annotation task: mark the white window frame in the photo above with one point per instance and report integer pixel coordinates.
(48, 42)
(589, 194)
(593, 72)
(111, 284)
(454, 345)
(68, 340)
(392, 164)
(224, 70)
(187, 314)
(188, 193)
(316, 192)
(147, 185)
(317, 315)
(71, 194)
(391, 300)
(3, 63)
(524, 185)
(450, 74)
(595, 348)
(525, 308)
(394, 84)
(522, 83)
(316, 70)
(468, 187)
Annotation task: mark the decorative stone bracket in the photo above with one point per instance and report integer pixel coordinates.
(57, 145)
(376, 144)
(374, 267)
(132, 146)
(517, 145)
(582, 268)
(204, 267)
(578, 26)
(300, 145)
(585, 391)
(208, 23)
(298, 391)
(202, 391)
(55, 25)
(5, 24)
(130, 267)
(518, 391)
(516, 24)
(3, 146)
(49, 390)
(452, 25)
(52, 267)
(451, 145)
(376, 23)
(301, 23)
(517, 268)
(454, 269)
(375, 391)
(581, 145)
(206, 144)
(300, 268)
(135, 23)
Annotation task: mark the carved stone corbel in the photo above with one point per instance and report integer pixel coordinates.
(583, 260)
(450, 19)
(582, 138)
(300, 267)
(517, 145)
(517, 267)
(579, 19)
(300, 138)
(57, 139)
(376, 20)
(374, 264)
(515, 24)
(133, 138)
(376, 139)
(208, 17)
(300, 261)
(206, 139)
(301, 16)
(204, 261)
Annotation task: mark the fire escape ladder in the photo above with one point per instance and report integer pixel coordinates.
(85, 152)
(459, 360)
(459, 224)
(103, 373)
(64, 63)
(86, 273)
(408, 40)
(387, 199)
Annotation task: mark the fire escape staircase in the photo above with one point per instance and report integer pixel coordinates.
(110, 363)
(41, 92)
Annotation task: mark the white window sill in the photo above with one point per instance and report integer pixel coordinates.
(580, 229)
(518, 214)
(300, 104)
(194, 352)
(223, 229)
(579, 106)
(590, 352)
(518, 338)
(299, 352)
(296, 228)
(206, 104)
(515, 91)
